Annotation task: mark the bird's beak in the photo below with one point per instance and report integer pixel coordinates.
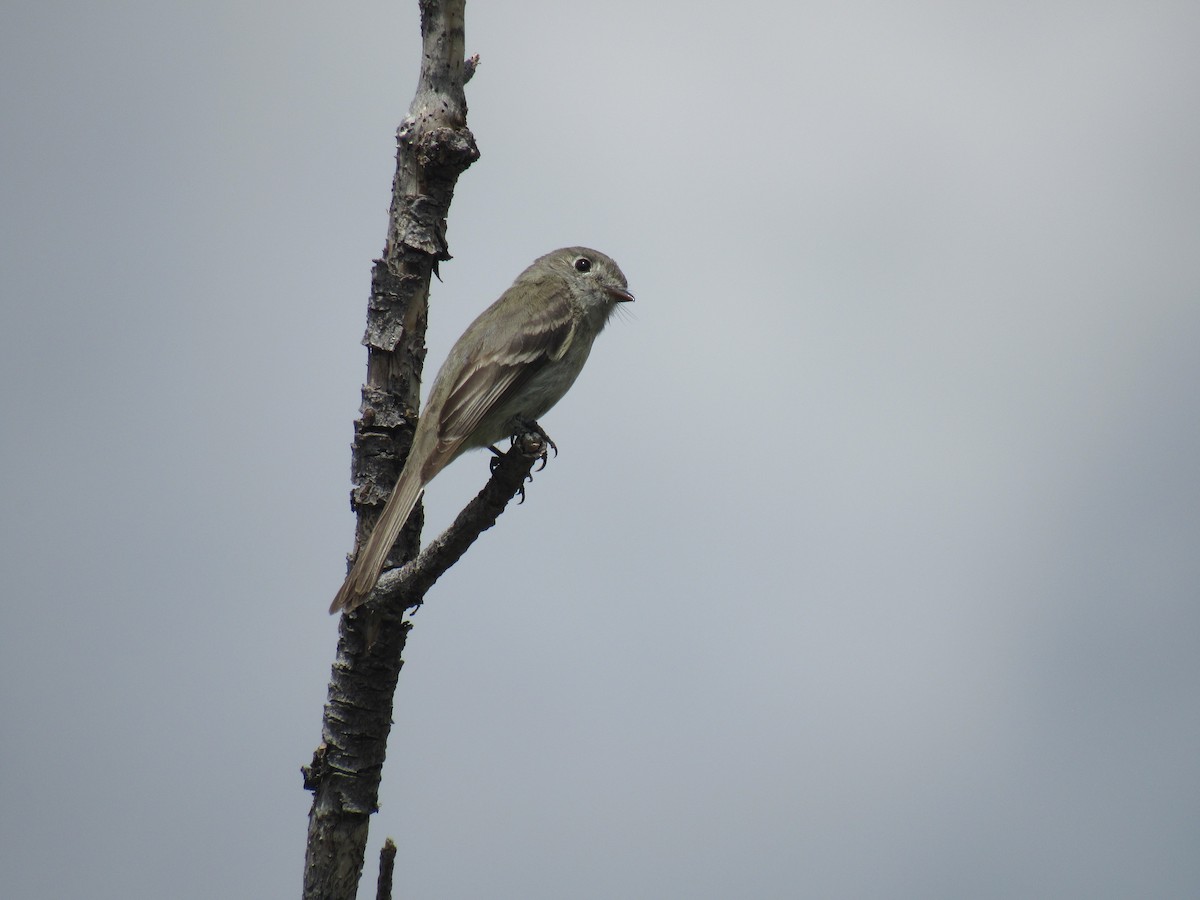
(620, 294)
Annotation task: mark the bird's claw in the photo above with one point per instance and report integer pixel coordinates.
(533, 440)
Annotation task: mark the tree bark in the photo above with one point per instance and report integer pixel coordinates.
(387, 865)
(434, 147)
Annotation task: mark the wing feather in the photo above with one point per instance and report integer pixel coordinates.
(525, 331)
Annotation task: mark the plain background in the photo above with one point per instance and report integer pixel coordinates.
(870, 564)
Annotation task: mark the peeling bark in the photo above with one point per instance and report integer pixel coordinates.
(434, 147)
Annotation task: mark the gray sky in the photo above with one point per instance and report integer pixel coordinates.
(870, 566)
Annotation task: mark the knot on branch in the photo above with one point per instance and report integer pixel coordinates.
(447, 151)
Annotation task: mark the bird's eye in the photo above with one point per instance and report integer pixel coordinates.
(583, 264)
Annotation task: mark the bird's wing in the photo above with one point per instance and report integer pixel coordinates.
(524, 335)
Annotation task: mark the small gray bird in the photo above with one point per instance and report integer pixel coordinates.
(510, 366)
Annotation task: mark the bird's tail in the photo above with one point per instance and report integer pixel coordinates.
(369, 563)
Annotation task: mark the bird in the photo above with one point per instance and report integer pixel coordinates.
(508, 369)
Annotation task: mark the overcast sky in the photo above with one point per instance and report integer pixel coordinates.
(870, 563)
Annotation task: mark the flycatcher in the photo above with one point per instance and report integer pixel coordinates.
(508, 369)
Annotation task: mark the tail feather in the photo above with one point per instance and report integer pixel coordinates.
(365, 573)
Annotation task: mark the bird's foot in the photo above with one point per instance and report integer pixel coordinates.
(532, 440)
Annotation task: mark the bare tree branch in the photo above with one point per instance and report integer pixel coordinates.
(434, 147)
(387, 862)
(407, 586)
